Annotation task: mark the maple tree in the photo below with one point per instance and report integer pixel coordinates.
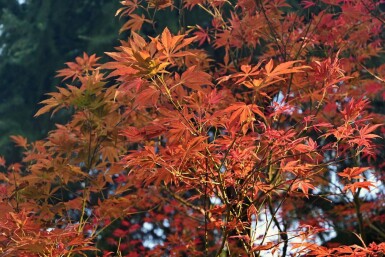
(250, 133)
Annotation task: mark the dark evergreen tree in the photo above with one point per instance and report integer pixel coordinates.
(36, 37)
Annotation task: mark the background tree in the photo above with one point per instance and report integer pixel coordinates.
(36, 38)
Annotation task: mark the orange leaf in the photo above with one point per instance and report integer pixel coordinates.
(243, 114)
(171, 45)
(304, 185)
(266, 246)
(353, 187)
(353, 173)
(135, 23)
(195, 79)
(20, 141)
(2, 161)
(147, 98)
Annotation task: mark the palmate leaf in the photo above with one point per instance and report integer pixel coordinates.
(82, 65)
(274, 75)
(59, 100)
(51, 103)
(243, 115)
(135, 23)
(147, 98)
(353, 173)
(304, 185)
(365, 136)
(171, 46)
(20, 141)
(194, 79)
(201, 35)
(354, 186)
(248, 72)
(129, 7)
(119, 69)
(283, 68)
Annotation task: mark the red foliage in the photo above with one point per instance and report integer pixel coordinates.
(233, 156)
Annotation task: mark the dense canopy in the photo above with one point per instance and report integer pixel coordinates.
(213, 128)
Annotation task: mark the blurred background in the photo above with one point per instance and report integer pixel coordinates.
(36, 38)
